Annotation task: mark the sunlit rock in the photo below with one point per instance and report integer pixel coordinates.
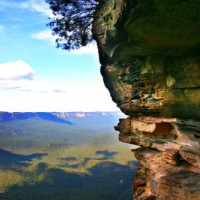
(149, 52)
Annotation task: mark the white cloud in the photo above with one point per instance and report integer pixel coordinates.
(16, 70)
(19, 75)
(24, 5)
(32, 86)
(78, 97)
(33, 5)
(44, 95)
(38, 6)
(89, 49)
(45, 35)
(42, 8)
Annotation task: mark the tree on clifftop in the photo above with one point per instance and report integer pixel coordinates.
(72, 22)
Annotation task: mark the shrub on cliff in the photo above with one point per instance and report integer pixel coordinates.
(72, 22)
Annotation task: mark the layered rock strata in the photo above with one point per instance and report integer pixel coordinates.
(149, 52)
(169, 157)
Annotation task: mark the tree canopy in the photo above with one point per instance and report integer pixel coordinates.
(72, 22)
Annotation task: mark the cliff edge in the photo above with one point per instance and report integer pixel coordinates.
(149, 52)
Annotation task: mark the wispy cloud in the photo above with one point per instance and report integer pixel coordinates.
(19, 75)
(33, 5)
(44, 35)
(32, 86)
(1, 31)
(38, 6)
(47, 35)
(4, 3)
(1, 28)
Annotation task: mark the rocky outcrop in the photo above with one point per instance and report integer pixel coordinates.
(169, 157)
(149, 52)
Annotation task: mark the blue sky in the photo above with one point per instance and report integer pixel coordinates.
(35, 75)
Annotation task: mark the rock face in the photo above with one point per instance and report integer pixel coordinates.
(149, 52)
(169, 157)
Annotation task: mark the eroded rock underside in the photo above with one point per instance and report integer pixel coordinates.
(149, 52)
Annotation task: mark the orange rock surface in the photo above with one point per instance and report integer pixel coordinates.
(150, 63)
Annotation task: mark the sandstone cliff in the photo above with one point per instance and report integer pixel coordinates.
(149, 52)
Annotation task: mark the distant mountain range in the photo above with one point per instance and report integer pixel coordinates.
(66, 115)
(59, 117)
(6, 116)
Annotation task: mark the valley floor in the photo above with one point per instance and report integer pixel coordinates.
(94, 168)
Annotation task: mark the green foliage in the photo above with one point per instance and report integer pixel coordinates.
(72, 22)
(37, 133)
(90, 172)
(93, 166)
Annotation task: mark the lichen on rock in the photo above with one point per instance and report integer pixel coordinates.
(149, 52)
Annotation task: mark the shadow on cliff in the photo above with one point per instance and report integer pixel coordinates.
(13, 161)
(107, 180)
